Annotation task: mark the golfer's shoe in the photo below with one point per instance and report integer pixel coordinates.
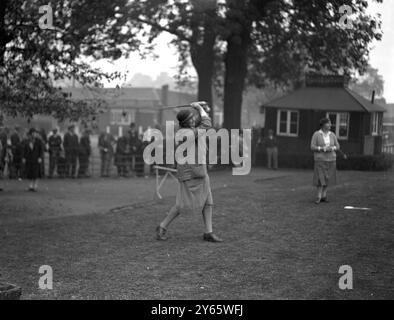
(161, 234)
(211, 237)
(324, 200)
(318, 200)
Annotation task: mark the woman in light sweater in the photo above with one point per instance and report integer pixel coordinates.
(324, 144)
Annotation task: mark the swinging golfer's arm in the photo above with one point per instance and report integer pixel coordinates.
(204, 125)
(206, 122)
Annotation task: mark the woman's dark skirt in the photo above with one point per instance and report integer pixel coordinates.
(193, 195)
(33, 171)
(325, 173)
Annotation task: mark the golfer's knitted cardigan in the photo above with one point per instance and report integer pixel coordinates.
(191, 171)
(317, 145)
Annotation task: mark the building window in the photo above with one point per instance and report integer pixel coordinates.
(288, 123)
(122, 117)
(375, 124)
(339, 124)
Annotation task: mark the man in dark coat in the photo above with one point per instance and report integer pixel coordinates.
(1, 151)
(44, 140)
(84, 154)
(4, 135)
(71, 149)
(135, 143)
(271, 145)
(32, 158)
(55, 147)
(16, 149)
(3, 139)
(105, 144)
(121, 155)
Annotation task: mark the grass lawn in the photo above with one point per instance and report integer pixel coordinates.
(278, 243)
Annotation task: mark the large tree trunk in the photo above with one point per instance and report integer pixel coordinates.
(236, 70)
(236, 61)
(203, 55)
(203, 58)
(205, 78)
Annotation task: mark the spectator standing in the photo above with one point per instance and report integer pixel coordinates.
(3, 138)
(17, 150)
(71, 149)
(24, 142)
(32, 158)
(7, 154)
(256, 143)
(134, 146)
(271, 145)
(105, 144)
(55, 147)
(44, 140)
(61, 165)
(84, 154)
(121, 156)
(1, 164)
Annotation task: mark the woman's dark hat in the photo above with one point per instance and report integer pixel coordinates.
(324, 121)
(31, 131)
(183, 116)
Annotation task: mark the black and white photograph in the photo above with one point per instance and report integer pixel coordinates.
(196, 154)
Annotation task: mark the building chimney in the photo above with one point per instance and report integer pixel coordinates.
(373, 97)
(164, 101)
(164, 95)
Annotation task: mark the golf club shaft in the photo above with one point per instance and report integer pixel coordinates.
(181, 106)
(176, 107)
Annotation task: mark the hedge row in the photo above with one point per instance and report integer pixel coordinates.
(380, 162)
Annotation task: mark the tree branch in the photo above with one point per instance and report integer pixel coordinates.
(162, 28)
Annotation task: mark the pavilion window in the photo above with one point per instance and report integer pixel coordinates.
(121, 117)
(375, 123)
(339, 124)
(288, 123)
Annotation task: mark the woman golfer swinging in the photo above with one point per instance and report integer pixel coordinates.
(194, 190)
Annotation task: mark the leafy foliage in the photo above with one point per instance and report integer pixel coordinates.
(371, 80)
(263, 41)
(31, 58)
(311, 39)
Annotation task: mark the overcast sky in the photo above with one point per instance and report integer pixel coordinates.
(381, 56)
